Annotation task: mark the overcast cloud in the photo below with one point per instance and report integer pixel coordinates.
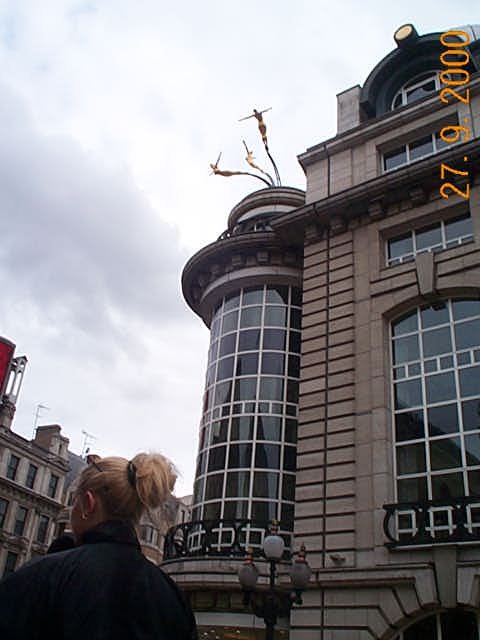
(110, 113)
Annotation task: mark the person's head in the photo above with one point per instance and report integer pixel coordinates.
(119, 489)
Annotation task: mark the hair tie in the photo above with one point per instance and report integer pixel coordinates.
(132, 474)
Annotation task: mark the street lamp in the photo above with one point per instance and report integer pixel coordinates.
(272, 603)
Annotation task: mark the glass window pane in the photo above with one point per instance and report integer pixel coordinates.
(246, 389)
(471, 414)
(445, 454)
(275, 316)
(242, 428)
(235, 510)
(442, 420)
(249, 340)
(225, 368)
(474, 483)
(219, 432)
(230, 321)
(288, 487)
(287, 516)
(467, 334)
(211, 511)
(458, 227)
(267, 456)
(293, 366)
(289, 458)
(290, 430)
(421, 91)
(469, 381)
(429, 237)
(252, 296)
(439, 143)
(214, 486)
(238, 484)
(401, 246)
(420, 148)
(395, 158)
(412, 490)
(274, 339)
(295, 318)
(265, 485)
(409, 425)
(431, 317)
(269, 428)
(294, 342)
(440, 387)
(227, 344)
(240, 456)
(472, 448)
(296, 297)
(251, 317)
(198, 491)
(271, 388)
(273, 363)
(223, 392)
(407, 324)
(264, 511)
(408, 394)
(247, 364)
(436, 341)
(405, 349)
(465, 308)
(410, 458)
(446, 486)
(292, 391)
(277, 295)
(231, 302)
(216, 458)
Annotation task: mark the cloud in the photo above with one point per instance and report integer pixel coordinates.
(79, 241)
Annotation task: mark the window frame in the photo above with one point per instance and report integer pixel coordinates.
(443, 245)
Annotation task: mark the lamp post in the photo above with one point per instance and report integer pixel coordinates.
(272, 602)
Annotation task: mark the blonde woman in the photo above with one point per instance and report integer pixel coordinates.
(104, 588)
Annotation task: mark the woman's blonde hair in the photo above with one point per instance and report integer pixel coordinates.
(127, 488)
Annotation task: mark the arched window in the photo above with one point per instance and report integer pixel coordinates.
(417, 88)
(436, 401)
(449, 625)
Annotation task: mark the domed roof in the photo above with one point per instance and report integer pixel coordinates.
(414, 55)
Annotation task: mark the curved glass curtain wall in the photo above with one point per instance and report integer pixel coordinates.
(436, 390)
(247, 451)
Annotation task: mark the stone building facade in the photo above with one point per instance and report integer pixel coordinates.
(32, 476)
(387, 483)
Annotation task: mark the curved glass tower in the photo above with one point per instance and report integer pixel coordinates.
(246, 287)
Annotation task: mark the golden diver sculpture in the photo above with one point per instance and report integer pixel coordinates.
(250, 159)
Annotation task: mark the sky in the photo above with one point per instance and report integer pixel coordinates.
(110, 113)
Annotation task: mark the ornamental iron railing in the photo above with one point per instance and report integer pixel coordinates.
(215, 538)
(449, 520)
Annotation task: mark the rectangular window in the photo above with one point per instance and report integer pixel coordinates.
(42, 529)
(420, 148)
(20, 519)
(52, 486)
(31, 475)
(3, 511)
(435, 237)
(12, 467)
(10, 563)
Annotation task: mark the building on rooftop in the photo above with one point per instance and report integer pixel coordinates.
(372, 277)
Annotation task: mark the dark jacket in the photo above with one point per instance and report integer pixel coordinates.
(104, 589)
